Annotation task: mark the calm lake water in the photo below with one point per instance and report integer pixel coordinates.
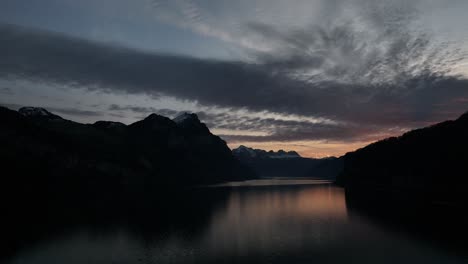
(265, 221)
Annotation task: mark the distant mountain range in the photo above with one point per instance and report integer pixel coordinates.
(269, 164)
(43, 154)
(424, 166)
(244, 152)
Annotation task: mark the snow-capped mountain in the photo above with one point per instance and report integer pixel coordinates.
(38, 112)
(287, 163)
(281, 154)
(246, 152)
(191, 122)
(185, 117)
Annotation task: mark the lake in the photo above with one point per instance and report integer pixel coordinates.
(262, 221)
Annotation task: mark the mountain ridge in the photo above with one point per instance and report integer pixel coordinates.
(108, 158)
(270, 164)
(260, 153)
(422, 166)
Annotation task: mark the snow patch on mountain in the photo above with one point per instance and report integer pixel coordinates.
(185, 117)
(243, 150)
(260, 153)
(37, 112)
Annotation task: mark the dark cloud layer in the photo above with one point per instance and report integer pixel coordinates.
(272, 129)
(5, 90)
(74, 112)
(275, 130)
(361, 87)
(143, 110)
(139, 112)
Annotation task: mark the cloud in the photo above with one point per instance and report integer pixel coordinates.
(277, 130)
(142, 109)
(6, 90)
(307, 132)
(11, 106)
(188, 14)
(59, 110)
(243, 126)
(74, 112)
(60, 59)
(378, 78)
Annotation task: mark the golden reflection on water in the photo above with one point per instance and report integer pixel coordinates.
(274, 182)
(264, 223)
(277, 218)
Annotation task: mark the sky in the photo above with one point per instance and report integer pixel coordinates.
(322, 77)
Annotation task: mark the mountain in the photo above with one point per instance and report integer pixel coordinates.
(37, 112)
(44, 155)
(270, 164)
(425, 166)
(244, 152)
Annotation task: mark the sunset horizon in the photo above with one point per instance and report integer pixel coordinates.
(322, 82)
(234, 131)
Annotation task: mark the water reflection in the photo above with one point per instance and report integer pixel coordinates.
(257, 223)
(278, 219)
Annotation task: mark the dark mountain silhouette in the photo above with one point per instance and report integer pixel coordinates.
(243, 152)
(427, 166)
(45, 156)
(270, 164)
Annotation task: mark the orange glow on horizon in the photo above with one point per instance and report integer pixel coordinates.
(307, 149)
